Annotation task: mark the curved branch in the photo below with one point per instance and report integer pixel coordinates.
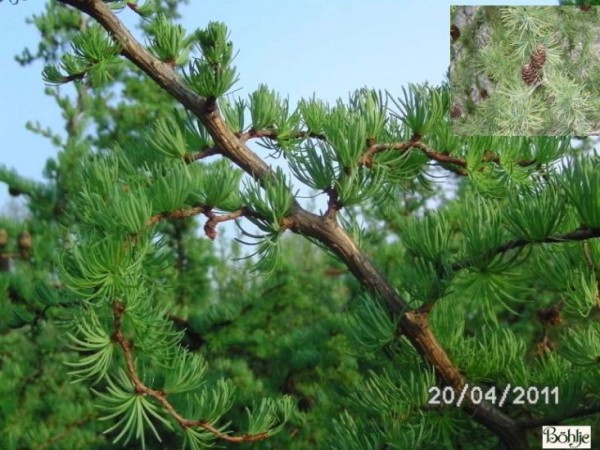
(209, 151)
(211, 223)
(274, 134)
(534, 423)
(449, 162)
(580, 234)
(404, 146)
(140, 388)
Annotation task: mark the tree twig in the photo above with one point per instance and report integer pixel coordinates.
(580, 234)
(161, 397)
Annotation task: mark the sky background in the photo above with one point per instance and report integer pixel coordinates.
(325, 47)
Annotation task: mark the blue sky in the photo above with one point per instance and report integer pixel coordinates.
(326, 47)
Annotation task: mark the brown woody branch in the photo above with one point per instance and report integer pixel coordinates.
(492, 157)
(535, 423)
(211, 223)
(414, 324)
(161, 397)
(274, 134)
(333, 203)
(178, 214)
(450, 162)
(11, 255)
(191, 157)
(367, 158)
(580, 234)
(210, 228)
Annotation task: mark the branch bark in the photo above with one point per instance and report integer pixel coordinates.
(161, 397)
(414, 324)
(580, 234)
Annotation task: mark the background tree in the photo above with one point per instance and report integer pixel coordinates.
(424, 291)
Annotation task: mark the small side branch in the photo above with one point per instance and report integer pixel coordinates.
(141, 389)
(535, 423)
(209, 151)
(440, 157)
(211, 224)
(449, 162)
(274, 135)
(210, 228)
(333, 204)
(580, 234)
(177, 214)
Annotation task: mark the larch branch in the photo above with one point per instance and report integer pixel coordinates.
(414, 324)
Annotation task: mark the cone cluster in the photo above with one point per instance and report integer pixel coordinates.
(531, 71)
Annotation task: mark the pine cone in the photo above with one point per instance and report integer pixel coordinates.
(455, 112)
(530, 74)
(543, 347)
(454, 33)
(549, 316)
(538, 57)
(25, 243)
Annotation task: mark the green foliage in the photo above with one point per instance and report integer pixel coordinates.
(212, 75)
(420, 108)
(265, 108)
(175, 136)
(233, 113)
(135, 412)
(535, 213)
(315, 166)
(169, 43)
(270, 205)
(369, 327)
(94, 53)
(216, 185)
(581, 346)
(583, 188)
(170, 341)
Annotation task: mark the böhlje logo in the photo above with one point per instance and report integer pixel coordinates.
(571, 437)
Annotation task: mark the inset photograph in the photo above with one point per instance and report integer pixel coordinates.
(525, 70)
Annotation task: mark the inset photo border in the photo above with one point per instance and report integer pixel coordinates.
(525, 70)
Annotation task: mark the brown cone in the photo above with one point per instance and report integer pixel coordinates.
(454, 33)
(530, 74)
(455, 112)
(538, 57)
(25, 243)
(549, 316)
